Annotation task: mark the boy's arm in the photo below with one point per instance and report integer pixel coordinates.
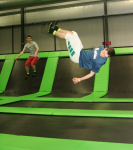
(76, 80)
(19, 54)
(37, 49)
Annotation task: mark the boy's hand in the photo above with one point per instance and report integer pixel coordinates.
(75, 80)
(35, 55)
(16, 58)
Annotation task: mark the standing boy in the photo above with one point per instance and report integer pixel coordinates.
(34, 56)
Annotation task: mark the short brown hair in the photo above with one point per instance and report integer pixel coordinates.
(111, 51)
(28, 36)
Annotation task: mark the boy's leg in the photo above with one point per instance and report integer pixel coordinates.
(34, 68)
(55, 27)
(33, 64)
(60, 34)
(27, 65)
(73, 48)
(64, 31)
(27, 69)
(78, 41)
(74, 44)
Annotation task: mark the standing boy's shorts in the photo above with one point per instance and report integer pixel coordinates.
(31, 61)
(74, 46)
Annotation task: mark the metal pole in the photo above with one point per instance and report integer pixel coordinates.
(12, 39)
(22, 28)
(104, 30)
(106, 21)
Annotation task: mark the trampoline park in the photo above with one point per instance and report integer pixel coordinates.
(50, 112)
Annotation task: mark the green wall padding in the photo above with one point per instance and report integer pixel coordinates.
(53, 54)
(102, 78)
(24, 56)
(43, 54)
(123, 51)
(64, 54)
(68, 112)
(11, 56)
(101, 82)
(49, 74)
(2, 57)
(5, 73)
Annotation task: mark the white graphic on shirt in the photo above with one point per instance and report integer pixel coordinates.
(95, 53)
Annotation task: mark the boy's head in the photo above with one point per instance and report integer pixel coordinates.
(29, 38)
(108, 52)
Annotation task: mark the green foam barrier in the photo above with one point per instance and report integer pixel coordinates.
(24, 56)
(83, 100)
(43, 54)
(101, 82)
(2, 57)
(8, 97)
(11, 56)
(51, 99)
(49, 74)
(68, 112)
(104, 100)
(63, 54)
(94, 113)
(10, 148)
(53, 54)
(23, 110)
(5, 73)
(102, 78)
(123, 51)
(4, 138)
(118, 100)
(95, 95)
(105, 146)
(39, 143)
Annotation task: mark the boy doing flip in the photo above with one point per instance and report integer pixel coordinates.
(93, 59)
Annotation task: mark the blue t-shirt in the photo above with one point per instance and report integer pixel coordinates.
(92, 59)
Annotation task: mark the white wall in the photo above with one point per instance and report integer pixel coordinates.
(65, 13)
(121, 31)
(5, 40)
(90, 32)
(17, 40)
(120, 7)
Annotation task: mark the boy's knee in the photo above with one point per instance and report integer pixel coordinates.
(27, 65)
(71, 32)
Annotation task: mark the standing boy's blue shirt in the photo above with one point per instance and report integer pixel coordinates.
(92, 59)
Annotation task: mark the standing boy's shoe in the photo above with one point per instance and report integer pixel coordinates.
(27, 76)
(34, 73)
